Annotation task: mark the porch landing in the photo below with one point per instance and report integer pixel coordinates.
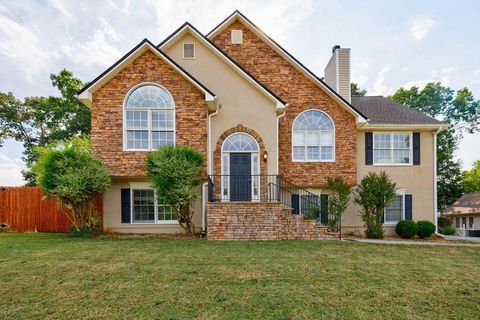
(260, 221)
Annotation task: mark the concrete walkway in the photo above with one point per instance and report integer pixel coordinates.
(471, 239)
(420, 243)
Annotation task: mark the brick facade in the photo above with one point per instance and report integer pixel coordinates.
(301, 94)
(107, 114)
(260, 221)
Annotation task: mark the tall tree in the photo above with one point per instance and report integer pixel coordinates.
(356, 90)
(471, 178)
(462, 111)
(40, 121)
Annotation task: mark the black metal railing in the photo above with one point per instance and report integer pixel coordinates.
(271, 188)
(242, 188)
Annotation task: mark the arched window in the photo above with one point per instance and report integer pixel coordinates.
(149, 118)
(240, 142)
(313, 137)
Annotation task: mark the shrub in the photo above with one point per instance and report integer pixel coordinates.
(425, 229)
(444, 221)
(406, 229)
(337, 201)
(70, 173)
(175, 172)
(449, 230)
(373, 193)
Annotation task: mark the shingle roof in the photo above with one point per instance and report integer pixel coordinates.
(381, 110)
(467, 204)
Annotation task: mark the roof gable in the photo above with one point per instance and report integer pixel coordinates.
(187, 28)
(237, 15)
(85, 94)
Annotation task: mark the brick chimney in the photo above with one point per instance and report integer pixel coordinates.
(337, 72)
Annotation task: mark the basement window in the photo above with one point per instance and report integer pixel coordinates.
(188, 51)
(237, 36)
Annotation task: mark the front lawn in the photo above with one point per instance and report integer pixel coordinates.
(53, 276)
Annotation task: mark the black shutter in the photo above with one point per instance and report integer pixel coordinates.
(324, 208)
(368, 148)
(408, 207)
(382, 219)
(125, 204)
(295, 204)
(416, 148)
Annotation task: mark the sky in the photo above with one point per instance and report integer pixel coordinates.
(393, 44)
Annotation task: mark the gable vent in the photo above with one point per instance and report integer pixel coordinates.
(237, 36)
(188, 51)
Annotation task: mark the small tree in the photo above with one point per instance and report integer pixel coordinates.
(337, 201)
(70, 173)
(373, 194)
(175, 173)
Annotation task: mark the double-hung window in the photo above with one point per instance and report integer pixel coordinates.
(313, 137)
(147, 209)
(395, 210)
(392, 148)
(149, 118)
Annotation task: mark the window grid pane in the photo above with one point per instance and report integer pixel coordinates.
(392, 148)
(394, 210)
(313, 137)
(137, 119)
(137, 139)
(161, 138)
(143, 206)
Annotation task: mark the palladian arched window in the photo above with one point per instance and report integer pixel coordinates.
(149, 118)
(313, 137)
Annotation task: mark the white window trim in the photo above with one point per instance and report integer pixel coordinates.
(146, 186)
(392, 164)
(149, 118)
(194, 51)
(398, 193)
(333, 134)
(252, 154)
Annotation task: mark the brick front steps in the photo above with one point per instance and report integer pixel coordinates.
(259, 221)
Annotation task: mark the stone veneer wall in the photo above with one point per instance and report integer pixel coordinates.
(107, 114)
(301, 94)
(259, 221)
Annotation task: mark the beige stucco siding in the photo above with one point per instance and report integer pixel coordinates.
(416, 180)
(112, 213)
(240, 102)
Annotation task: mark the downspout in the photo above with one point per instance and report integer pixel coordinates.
(209, 169)
(204, 206)
(278, 137)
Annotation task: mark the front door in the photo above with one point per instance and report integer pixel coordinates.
(240, 177)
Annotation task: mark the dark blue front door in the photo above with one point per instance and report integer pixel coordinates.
(240, 177)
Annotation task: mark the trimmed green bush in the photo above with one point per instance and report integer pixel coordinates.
(373, 193)
(425, 229)
(406, 229)
(449, 230)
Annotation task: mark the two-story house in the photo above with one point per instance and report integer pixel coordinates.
(271, 130)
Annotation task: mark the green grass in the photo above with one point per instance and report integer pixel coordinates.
(53, 276)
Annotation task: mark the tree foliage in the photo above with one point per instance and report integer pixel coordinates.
(337, 201)
(174, 172)
(40, 121)
(373, 193)
(356, 90)
(471, 178)
(462, 111)
(70, 173)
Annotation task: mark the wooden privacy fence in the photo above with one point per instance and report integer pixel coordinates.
(26, 209)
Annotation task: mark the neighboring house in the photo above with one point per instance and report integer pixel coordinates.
(465, 214)
(271, 130)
